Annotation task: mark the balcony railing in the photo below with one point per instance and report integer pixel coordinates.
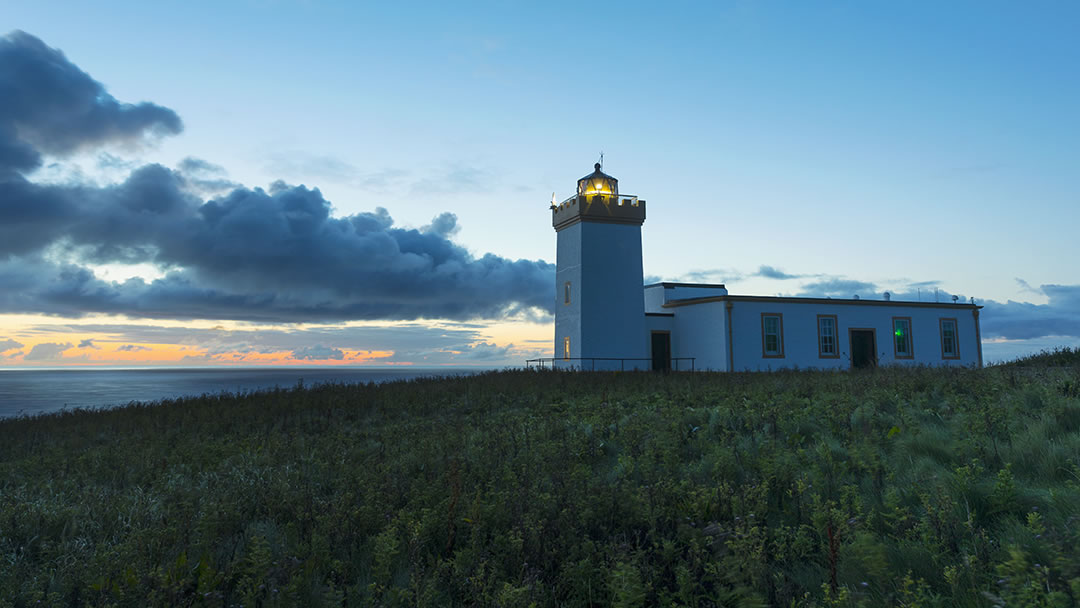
(674, 364)
(620, 199)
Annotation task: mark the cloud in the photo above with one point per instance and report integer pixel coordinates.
(482, 351)
(837, 288)
(1026, 287)
(318, 352)
(132, 348)
(46, 351)
(437, 344)
(774, 273)
(710, 275)
(198, 166)
(204, 177)
(246, 254)
(300, 163)
(444, 225)
(1010, 320)
(50, 106)
(88, 343)
(457, 179)
(8, 344)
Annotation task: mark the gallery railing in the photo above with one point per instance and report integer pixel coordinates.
(568, 363)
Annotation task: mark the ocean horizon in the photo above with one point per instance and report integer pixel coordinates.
(37, 391)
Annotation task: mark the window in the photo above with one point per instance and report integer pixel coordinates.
(566, 348)
(902, 346)
(772, 335)
(950, 344)
(566, 293)
(826, 337)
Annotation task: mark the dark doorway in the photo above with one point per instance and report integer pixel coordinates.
(661, 351)
(863, 348)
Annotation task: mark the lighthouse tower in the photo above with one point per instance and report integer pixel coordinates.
(600, 305)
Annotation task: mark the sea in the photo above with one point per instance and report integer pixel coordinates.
(41, 391)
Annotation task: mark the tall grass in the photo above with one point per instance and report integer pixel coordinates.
(904, 487)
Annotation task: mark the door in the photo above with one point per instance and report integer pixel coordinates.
(661, 351)
(863, 348)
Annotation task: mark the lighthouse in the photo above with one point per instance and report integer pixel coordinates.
(599, 307)
(607, 319)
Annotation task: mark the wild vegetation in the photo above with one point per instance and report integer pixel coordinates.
(897, 487)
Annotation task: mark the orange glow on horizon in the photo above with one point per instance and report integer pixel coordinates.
(79, 343)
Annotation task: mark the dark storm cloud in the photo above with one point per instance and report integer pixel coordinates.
(248, 254)
(257, 255)
(51, 106)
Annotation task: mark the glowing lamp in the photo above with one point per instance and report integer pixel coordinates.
(598, 182)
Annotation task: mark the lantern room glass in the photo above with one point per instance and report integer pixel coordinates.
(598, 182)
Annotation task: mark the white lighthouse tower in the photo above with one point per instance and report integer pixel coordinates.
(599, 308)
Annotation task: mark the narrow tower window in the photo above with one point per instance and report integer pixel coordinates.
(902, 346)
(566, 293)
(566, 348)
(950, 347)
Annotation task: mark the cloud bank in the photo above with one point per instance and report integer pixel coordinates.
(249, 254)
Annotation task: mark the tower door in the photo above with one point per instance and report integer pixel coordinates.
(661, 351)
(863, 348)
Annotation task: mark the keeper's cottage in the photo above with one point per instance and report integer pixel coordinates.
(606, 318)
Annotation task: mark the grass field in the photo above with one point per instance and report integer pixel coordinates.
(898, 487)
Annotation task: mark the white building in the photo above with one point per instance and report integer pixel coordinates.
(606, 319)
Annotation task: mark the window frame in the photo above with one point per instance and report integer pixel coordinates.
(835, 337)
(780, 335)
(910, 339)
(956, 338)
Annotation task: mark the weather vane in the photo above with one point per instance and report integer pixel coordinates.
(601, 159)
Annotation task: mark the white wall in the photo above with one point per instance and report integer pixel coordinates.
(800, 333)
(658, 294)
(700, 332)
(568, 268)
(654, 298)
(682, 291)
(606, 316)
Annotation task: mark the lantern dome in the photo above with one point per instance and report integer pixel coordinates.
(598, 182)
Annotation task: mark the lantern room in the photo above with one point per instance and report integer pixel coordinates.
(598, 182)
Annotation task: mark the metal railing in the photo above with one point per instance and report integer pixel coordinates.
(631, 199)
(673, 363)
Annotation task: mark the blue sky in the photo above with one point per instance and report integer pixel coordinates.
(851, 146)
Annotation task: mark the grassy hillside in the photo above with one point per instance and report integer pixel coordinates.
(898, 487)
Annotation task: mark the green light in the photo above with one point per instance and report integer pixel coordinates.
(899, 333)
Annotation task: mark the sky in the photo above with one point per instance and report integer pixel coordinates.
(305, 182)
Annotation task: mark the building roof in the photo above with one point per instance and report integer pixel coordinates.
(797, 300)
(668, 285)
